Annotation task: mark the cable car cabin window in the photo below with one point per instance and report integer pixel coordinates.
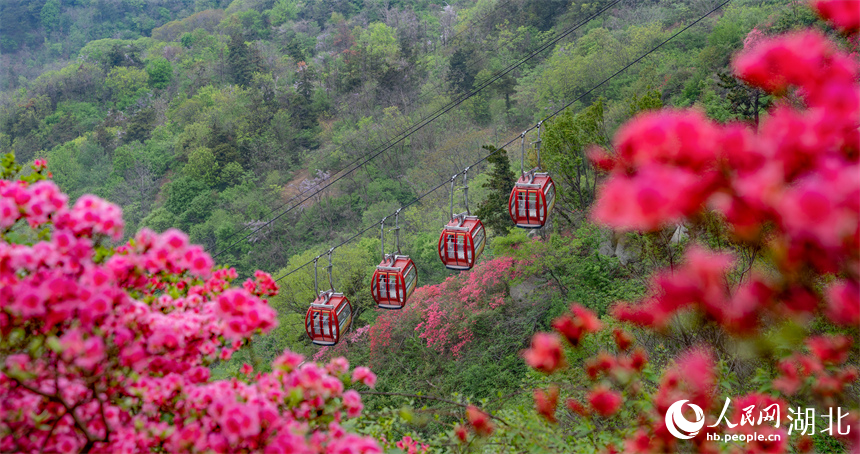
(479, 240)
(319, 324)
(527, 204)
(343, 315)
(388, 285)
(457, 246)
(550, 196)
(410, 277)
(385, 284)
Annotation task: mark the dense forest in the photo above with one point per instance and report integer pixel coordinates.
(273, 130)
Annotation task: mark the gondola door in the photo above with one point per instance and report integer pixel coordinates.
(319, 326)
(456, 248)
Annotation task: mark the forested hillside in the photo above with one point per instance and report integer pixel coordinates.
(273, 130)
(215, 120)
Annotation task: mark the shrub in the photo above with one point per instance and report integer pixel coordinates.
(107, 349)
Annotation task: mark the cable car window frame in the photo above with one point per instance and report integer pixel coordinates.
(549, 195)
(319, 320)
(410, 279)
(479, 237)
(344, 314)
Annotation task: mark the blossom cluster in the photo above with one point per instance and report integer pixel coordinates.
(107, 349)
(790, 190)
(442, 313)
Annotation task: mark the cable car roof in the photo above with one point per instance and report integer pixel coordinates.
(400, 263)
(327, 302)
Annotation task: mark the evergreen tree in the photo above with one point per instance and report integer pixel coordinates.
(494, 210)
(239, 60)
(141, 125)
(460, 76)
(745, 102)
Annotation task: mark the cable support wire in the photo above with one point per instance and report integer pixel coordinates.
(417, 199)
(352, 142)
(439, 112)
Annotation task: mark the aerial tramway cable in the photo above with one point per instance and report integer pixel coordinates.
(589, 91)
(432, 117)
(420, 98)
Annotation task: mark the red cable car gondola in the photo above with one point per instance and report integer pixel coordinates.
(330, 314)
(533, 196)
(532, 200)
(395, 277)
(463, 238)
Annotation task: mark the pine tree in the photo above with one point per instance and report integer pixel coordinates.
(460, 76)
(239, 60)
(494, 210)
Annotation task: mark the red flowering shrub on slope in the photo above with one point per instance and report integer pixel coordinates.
(107, 351)
(792, 190)
(441, 313)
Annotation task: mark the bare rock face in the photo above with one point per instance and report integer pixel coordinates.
(616, 244)
(625, 254)
(606, 248)
(680, 234)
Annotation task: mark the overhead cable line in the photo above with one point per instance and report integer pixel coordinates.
(438, 87)
(421, 124)
(589, 91)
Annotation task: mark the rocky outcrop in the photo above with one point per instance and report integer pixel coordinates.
(617, 244)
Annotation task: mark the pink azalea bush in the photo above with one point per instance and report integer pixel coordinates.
(441, 313)
(790, 189)
(107, 350)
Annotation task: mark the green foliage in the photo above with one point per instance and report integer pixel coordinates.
(180, 193)
(231, 175)
(140, 126)
(126, 84)
(745, 102)
(284, 10)
(493, 211)
(50, 15)
(573, 267)
(81, 115)
(240, 60)
(160, 72)
(159, 220)
(461, 76)
(202, 166)
(650, 100)
(564, 145)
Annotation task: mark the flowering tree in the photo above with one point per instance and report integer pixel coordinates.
(107, 349)
(791, 192)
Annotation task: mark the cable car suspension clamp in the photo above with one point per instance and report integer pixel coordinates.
(452, 195)
(523, 152)
(537, 144)
(382, 236)
(397, 230)
(316, 280)
(466, 190)
(330, 281)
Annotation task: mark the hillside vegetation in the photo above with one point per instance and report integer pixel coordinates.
(272, 130)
